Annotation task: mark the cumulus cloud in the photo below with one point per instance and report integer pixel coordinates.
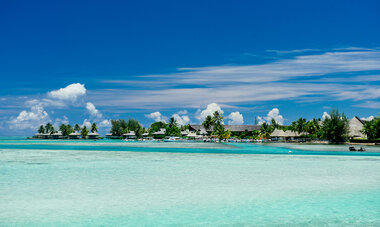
(273, 114)
(325, 115)
(93, 111)
(86, 123)
(210, 109)
(60, 121)
(236, 118)
(156, 116)
(181, 120)
(367, 118)
(31, 119)
(260, 120)
(105, 124)
(70, 93)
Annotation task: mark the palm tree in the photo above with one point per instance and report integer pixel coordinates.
(218, 117)
(77, 128)
(265, 130)
(84, 132)
(301, 125)
(208, 122)
(49, 128)
(41, 129)
(369, 129)
(94, 127)
(274, 123)
(172, 122)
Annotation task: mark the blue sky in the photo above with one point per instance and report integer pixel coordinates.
(120, 59)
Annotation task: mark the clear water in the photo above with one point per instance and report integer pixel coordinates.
(50, 183)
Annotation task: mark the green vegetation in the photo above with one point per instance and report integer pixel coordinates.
(172, 128)
(266, 130)
(94, 127)
(216, 121)
(119, 127)
(372, 129)
(84, 132)
(66, 130)
(335, 127)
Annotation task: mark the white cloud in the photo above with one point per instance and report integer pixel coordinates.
(30, 119)
(278, 80)
(105, 124)
(181, 120)
(60, 121)
(369, 104)
(260, 120)
(325, 115)
(236, 118)
(156, 116)
(274, 114)
(182, 112)
(93, 111)
(367, 118)
(70, 93)
(86, 123)
(210, 109)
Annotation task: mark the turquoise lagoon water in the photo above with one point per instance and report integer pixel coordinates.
(93, 183)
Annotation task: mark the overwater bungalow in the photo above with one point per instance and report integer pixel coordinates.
(74, 135)
(93, 136)
(110, 136)
(130, 135)
(38, 135)
(288, 135)
(57, 135)
(145, 134)
(231, 128)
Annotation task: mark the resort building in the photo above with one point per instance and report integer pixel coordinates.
(93, 135)
(74, 135)
(110, 136)
(38, 135)
(355, 128)
(130, 135)
(184, 133)
(57, 135)
(145, 134)
(231, 128)
(288, 135)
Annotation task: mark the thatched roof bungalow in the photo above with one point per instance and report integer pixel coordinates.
(57, 135)
(355, 128)
(93, 135)
(231, 128)
(279, 134)
(130, 135)
(74, 135)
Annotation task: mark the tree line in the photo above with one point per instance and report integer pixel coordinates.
(67, 129)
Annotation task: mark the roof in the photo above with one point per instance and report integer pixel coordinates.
(232, 128)
(355, 127)
(74, 134)
(131, 133)
(59, 133)
(161, 132)
(185, 132)
(287, 133)
(93, 134)
(145, 134)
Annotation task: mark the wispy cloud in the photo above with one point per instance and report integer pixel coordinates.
(286, 79)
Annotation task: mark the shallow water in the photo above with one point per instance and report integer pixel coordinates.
(106, 183)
